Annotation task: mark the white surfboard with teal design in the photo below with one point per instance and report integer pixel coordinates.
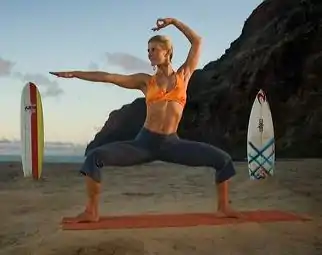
(260, 139)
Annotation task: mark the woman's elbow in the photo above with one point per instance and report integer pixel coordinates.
(197, 40)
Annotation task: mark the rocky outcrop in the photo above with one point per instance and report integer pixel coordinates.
(121, 125)
(280, 51)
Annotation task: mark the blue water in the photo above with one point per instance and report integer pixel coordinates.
(47, 158)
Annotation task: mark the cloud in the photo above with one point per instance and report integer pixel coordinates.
(6, 67)
(93, 67)
(128, 62)
(52, 88)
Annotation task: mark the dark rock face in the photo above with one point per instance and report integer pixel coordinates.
(121, 124)
(279, 51)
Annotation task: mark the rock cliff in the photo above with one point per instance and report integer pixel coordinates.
(280, 51)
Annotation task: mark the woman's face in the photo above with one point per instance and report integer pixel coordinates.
(157, 53)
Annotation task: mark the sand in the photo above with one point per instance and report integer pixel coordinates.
(31, 211)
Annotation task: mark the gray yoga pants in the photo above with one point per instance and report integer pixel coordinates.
(149, 146)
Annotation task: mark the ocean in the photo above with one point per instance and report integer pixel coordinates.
(47, 158)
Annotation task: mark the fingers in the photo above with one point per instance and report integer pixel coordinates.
(62, 74)
(58, 74)
(160, 23)
(54, 73)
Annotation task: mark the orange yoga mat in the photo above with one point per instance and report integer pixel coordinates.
(178, 220)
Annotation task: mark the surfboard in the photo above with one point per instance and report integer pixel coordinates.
(260, 139)
(32, 131)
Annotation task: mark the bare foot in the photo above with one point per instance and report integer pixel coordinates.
(229, 213)
(85, 217)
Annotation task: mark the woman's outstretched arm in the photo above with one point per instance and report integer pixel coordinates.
(132, 81)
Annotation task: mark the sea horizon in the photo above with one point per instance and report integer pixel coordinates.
(49, 158)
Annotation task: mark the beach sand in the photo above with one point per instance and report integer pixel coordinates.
(31, 211)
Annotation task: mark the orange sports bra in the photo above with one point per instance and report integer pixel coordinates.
(177, 94)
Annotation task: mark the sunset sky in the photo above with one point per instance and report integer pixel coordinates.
(42, 36)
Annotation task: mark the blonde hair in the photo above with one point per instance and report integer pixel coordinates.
(165, 40)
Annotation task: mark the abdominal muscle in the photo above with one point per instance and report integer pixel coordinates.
(163, 117)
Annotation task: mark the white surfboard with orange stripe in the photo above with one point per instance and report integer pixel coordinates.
(32, 131)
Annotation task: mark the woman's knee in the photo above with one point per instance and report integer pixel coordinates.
(99, 157)
(226, 170)
(220, 157)
(227, 157)
(92, 165)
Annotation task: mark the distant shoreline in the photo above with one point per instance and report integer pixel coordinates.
(47, 159)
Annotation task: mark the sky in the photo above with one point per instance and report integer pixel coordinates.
(42, 36)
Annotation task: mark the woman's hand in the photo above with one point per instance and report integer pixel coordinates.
(63, 74)
(162, 23)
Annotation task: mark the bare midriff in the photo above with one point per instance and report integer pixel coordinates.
(165, 106)
(163, 117)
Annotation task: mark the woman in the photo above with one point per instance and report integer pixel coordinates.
(165, 94)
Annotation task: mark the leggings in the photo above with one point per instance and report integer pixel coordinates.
(148, 146)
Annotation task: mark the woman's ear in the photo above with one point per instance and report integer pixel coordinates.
(169, 55)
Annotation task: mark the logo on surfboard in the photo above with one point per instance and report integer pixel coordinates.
(31, 108)
(261, 97)
(260, 125)
(262, 173)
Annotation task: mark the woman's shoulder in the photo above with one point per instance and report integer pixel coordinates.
(142, 76)
(147, 77)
